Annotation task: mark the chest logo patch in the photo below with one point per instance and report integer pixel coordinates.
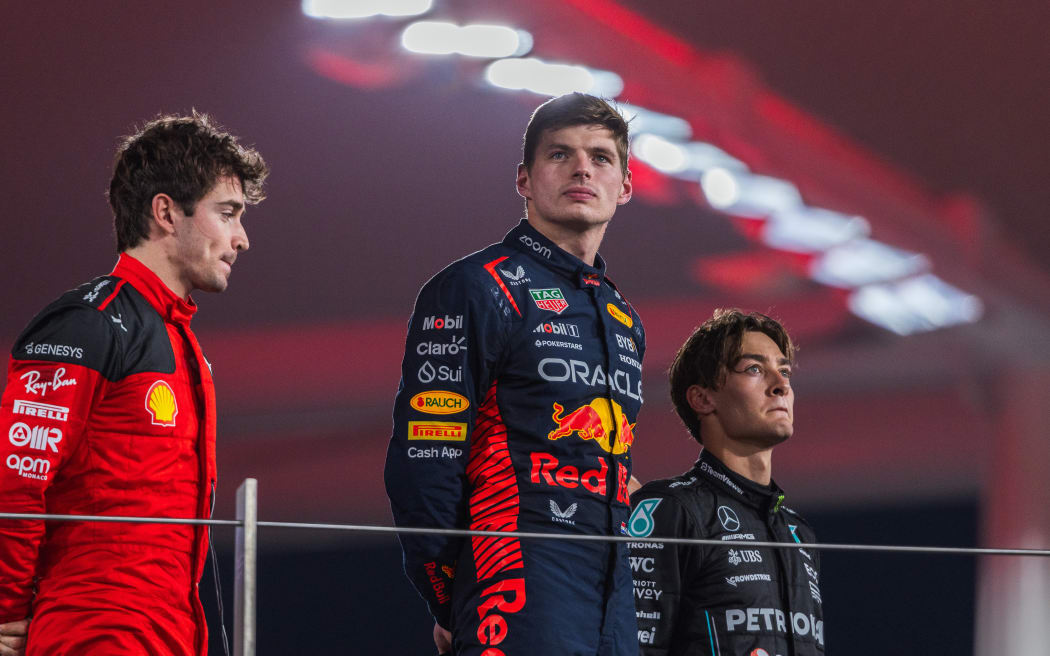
(439, 402)
(619, 315)
(728, 518)
(549, 299)
(642, 523)
(161, 405)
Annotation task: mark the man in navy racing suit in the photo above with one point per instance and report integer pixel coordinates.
(730, 383)
(519, 391)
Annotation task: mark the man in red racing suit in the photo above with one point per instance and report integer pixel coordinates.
(109, 409)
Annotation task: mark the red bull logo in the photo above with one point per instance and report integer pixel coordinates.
(602, 420)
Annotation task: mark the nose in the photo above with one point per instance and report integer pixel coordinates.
(582, 166)
(240, 238)
(780, 385)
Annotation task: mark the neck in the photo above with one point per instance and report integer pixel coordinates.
(156, 260)
(751, 462)
(581, 243)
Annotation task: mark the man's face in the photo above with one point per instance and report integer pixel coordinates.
(755, 405)
(208, 242)
(575, 180)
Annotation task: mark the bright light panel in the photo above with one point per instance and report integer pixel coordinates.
(364, 8)
(547, 79)
(915, 305)
(812, 229)
(720, 188)
(648, 121)
(759, 195)
(660, 153)
(865, 261)
(440, 38)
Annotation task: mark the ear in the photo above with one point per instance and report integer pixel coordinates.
(162, 211)
(626, 190)
(522, 182)
(700, 400)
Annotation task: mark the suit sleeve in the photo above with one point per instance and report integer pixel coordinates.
(53, 380)
(455, 338)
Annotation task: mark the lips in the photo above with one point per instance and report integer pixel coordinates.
(580, 193)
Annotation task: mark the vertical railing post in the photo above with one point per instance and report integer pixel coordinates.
(245, 569)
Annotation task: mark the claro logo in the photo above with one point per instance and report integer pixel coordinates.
(440, 402)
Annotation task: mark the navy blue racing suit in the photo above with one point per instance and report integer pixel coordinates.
(732, 600)
(519, 391)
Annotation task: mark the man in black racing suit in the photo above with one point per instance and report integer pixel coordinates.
(730, 384)
(519, 391)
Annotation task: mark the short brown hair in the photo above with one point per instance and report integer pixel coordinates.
(706, 356)
(574, 109)
(182, 156)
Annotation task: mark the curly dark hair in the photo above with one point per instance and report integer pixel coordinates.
(574, 109)
(183, 157)
(711, 350)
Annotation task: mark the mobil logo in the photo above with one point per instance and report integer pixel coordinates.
(446, 322)
(598, 421)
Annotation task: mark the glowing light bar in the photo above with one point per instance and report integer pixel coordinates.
(547, 79)
(863, 262)
(663, 125)
(915, 305)
(660, 153)
(812, 229)
(720, 187)
(439, 38)
(756, 194)
(688, 161)
(364, 8)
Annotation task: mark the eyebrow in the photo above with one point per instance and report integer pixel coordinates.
(232, 204)
(760, 358)
(600, 150)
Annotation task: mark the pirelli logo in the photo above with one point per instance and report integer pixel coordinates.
(443, 431)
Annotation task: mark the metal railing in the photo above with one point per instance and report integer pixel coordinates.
(246, 550)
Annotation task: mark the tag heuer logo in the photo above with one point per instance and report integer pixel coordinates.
(549, 299)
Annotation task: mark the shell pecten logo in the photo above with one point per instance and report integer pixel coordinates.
(439, 402)
(160, 402)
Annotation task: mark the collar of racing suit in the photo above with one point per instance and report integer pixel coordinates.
(529, 240)
(153, 289)
(769, 499)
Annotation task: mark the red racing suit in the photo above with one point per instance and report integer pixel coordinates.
(109, 409)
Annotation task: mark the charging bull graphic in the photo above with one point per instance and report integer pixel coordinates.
(596, 421)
